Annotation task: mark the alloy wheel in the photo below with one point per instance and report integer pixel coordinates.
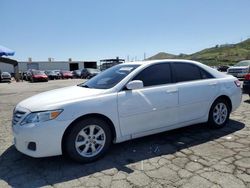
(220, 113)
(90, 141)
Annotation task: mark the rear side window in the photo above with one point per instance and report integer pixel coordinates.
(205, 74)
(155, 75)
(185, 72)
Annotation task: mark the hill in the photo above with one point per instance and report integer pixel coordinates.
(226, 54)
(163, 55)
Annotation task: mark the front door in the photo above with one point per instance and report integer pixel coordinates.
(152, 107)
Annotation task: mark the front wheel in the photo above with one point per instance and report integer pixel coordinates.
(88, 140)
(219, 114)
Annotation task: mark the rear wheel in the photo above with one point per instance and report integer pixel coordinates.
(219, 114)
(88, 140)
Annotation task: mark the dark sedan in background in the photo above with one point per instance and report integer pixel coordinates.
(77, 73)
(88, 73)
(52, 74)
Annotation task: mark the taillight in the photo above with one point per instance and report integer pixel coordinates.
(247, 77)
(237, 83)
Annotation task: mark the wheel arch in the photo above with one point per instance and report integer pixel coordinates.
(224, 97)
(92, 115)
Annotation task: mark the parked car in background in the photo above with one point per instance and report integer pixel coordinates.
(24, 75)
(124, 102)
(246, 84)
(58, 71)
(38, 76)
(27, 75)
(77, 73)
(240, 70)
(88, 73)
(66, 74)
(5, 77)
(222, 68)
(52, 74)
(214, 67)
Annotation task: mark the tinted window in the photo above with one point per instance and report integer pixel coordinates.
(155, 75)
(185, 72)
(205, 74)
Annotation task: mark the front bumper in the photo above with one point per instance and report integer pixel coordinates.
(41, 79)
(5, 79)
(47, 137)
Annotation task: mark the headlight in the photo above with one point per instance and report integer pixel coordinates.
(41, 116)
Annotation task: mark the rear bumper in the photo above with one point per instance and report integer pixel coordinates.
(236, 98)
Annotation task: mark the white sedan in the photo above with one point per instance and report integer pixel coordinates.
(124, 102)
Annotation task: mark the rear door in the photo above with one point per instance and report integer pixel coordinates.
(152, 107)
(197, 89)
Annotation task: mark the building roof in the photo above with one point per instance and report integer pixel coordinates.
(54, 61)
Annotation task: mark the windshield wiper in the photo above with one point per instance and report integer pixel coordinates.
(86, 86)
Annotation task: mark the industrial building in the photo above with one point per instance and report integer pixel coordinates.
(48, 65)
(107, 63)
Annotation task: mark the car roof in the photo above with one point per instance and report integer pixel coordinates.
(162, 61)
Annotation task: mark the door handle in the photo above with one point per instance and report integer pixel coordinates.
(212, 84)
(172, 91)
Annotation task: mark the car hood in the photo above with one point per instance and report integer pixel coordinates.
(241, 67)
(56, 98)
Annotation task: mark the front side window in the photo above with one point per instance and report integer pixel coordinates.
(155, 75)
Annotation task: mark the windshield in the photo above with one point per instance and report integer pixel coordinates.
(5, 73)
(242, 63)
(93, 70)
(38, 72)
(110, 77)
(66, 72)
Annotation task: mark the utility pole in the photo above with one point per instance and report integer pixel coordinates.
(144, 56)
(128, 58)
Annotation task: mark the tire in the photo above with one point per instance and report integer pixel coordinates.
(80, 133)
(219, 114)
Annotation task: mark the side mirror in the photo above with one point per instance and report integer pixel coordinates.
(135, 84)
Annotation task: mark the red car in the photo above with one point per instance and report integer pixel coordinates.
(246, 84)
(66, 74)
(36, 76)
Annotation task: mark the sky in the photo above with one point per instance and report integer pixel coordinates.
(97, 29)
